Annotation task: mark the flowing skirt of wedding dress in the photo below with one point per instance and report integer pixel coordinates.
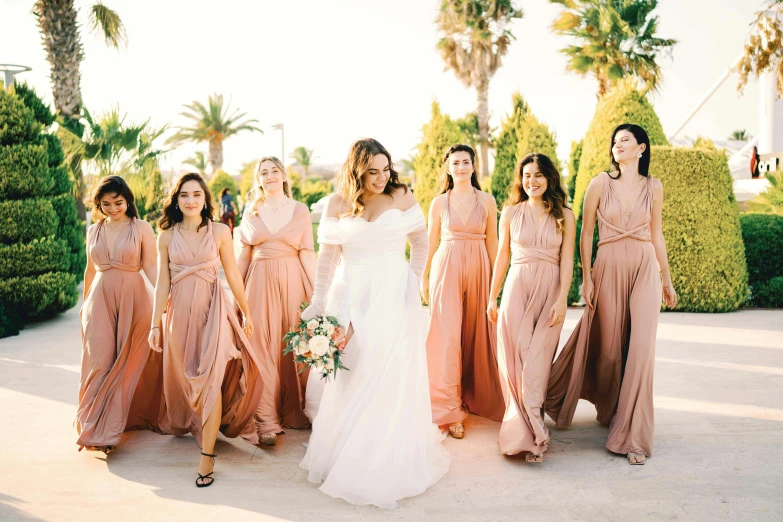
(373, 439)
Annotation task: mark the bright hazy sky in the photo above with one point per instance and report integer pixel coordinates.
(336, 70)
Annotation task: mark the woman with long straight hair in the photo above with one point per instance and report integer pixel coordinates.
(277, 263)
(537, 234)
(461, 356)
(115, 318)
(211, 377)
(610, 357)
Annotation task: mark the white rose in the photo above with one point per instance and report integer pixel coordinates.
(301, 347)
(319, 345)
(312, 324)
(329, 329)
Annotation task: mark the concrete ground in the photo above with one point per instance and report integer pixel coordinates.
(718, 456)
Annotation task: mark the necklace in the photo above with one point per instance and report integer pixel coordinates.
(115, 227)
(285, 200)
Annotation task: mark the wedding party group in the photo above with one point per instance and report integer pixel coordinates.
(169, 351)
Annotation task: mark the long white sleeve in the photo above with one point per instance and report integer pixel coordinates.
(419, 250)
(328, 259)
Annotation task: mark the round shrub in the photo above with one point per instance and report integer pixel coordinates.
(702, 229)
(25, 171)
(36, 257)
(40, 296)
(17, 123)
(26, 219)
(41, 112)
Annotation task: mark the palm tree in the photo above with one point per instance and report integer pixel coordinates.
(740, 135)
(764, 47)
(214, 124)
(59, 28)
(303, 157)
(615, 39)
(771, 200)
(475, 37)
(198, 162)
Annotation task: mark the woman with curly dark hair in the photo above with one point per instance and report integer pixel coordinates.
(211, 376)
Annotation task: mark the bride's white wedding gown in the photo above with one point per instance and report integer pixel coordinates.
(373, 440)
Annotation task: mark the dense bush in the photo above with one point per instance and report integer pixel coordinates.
(41, 237)
(702, 229)
(770, 293)
(314, 190)
(763, 238)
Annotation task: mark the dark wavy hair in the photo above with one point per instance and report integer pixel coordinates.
(171, 212)
(554, 197)
(349, 180)
(446, 183)
(641, 137)
(113, 185)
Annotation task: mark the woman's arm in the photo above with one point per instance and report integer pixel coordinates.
(433, 232)
(309, 262)
(558, 312)
(234, 279)
(659, 243)
(89, 270)
(492, 228)
(162, 287)
(244, 260)
(589, 211)
(149, 253)
(502, 259)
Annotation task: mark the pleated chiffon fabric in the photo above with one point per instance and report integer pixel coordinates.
(610, 357)
(276, 285)
(205, 350)
(461, 351)
(526, 341)
(116, 318)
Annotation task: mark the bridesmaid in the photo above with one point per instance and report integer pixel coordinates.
(537, 234)
(461, 358)
(210, 374)
(610, 356)
(115, 316)
(277, 263)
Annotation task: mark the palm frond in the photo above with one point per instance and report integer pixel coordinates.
(107, 22)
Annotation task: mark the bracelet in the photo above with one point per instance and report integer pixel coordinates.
(158, 327)
(662, 270)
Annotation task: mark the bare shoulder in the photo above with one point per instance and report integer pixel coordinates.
(222, 231)
(507, 213)
(335, 206)
(439, 202)
(657, 185)
(569, 216)
(164, 237)
(488, 200)
(599, 180)
(403, 197)
(145, 227)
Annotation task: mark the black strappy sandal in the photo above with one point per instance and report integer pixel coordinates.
(208, 476)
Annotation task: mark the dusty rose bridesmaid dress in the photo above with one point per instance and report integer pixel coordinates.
(610, 357)
(205, 350)
(526, 341)
(116, 318)
(461, 357)
(276, 285)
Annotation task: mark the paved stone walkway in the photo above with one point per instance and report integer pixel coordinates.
(719, 428)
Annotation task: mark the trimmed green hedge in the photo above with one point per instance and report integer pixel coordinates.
(763, 238)
(41, 112)
(17, 124)
(41, 296)
(72, 230)
(770, 293)
(702, 229)
(25, 171)
(26, 219)
(36, 257)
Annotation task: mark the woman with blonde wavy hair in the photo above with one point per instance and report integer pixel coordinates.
(373, 439)
(537, 234)
(277, 264)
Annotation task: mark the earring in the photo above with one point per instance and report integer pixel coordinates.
(176, 205)
(640, 154)
(205, 205)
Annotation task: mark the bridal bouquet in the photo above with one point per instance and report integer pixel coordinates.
(317, 343)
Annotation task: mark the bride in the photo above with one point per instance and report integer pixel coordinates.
(373, 439)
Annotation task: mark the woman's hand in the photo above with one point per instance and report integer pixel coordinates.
(247, 324)
(424, 288)
(557, 313)
(492, 311)
(312, 311)
(587, 291)
(154, 340)
(669, 296)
